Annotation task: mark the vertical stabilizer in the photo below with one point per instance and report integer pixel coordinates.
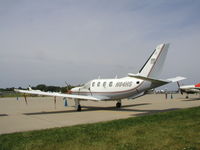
(197, 85)
(153, 66)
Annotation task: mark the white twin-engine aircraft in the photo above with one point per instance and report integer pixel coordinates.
(132, 86)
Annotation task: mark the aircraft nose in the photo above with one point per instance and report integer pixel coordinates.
(72, 90)
(69, 92)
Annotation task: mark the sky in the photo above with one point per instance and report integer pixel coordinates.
(52, 42)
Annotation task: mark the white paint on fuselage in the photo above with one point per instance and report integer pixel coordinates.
(113, 88)
(187, 86)
(127, 87)
(189, 89)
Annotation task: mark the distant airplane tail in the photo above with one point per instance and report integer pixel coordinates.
(197, 85)
(153, 66)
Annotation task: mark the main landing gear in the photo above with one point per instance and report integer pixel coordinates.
(118, 104)
(79, 108)
(77, 105)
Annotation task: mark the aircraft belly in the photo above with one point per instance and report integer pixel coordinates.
(114, 96)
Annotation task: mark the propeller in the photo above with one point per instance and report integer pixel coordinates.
(67, 86)
(68, 90)
(179, 89)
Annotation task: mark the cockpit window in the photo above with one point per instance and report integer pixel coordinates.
(110, 84)
(104, 84)
(87, 85)
(98, 84)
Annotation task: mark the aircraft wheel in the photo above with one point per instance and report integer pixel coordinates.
(79, 108)
(118, 105)
(187, 97)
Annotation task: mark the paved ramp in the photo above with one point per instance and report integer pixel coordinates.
(41, 113)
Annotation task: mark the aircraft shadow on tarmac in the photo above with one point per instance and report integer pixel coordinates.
(192, 99)
(2, 115)
(124, 108)
(89, 108)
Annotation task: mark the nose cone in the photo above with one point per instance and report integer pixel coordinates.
(69, 92)
(74, 90)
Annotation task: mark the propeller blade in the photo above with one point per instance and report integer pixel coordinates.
(181, 91)
(68, 88)
(178, 84)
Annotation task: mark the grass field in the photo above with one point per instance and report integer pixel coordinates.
(165, 131)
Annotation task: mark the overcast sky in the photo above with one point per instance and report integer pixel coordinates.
(50, 42)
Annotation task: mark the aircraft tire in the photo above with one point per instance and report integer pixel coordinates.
(79, 108)
(118, 105)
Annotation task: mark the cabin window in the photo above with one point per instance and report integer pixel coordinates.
(110, 84)
(138, 82)
(93, 84)
(104, 84)
(98, 84)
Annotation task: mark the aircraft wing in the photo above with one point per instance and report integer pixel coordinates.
(37, 92)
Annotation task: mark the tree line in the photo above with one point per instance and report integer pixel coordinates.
(42, 87)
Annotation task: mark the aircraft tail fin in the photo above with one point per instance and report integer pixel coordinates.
(197, 85)
(153, 66)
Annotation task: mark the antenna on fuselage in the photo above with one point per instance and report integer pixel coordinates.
(116, 77)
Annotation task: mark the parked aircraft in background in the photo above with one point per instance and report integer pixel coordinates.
(189, 89)
(116, 89)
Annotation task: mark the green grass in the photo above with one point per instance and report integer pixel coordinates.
(165, 131)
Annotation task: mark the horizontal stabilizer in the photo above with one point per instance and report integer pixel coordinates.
(155, 81)
(176, 79)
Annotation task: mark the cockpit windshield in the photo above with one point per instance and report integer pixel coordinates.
(87, 85)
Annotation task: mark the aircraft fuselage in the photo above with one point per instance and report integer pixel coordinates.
(109, 89)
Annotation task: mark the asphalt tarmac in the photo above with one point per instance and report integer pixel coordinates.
(41, 113)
